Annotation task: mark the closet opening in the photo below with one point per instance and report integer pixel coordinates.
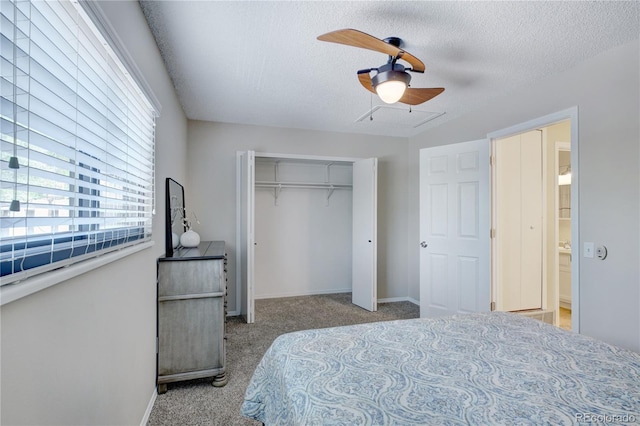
(303, 224)
(307, 226)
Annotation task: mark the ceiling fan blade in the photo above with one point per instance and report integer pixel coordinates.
(417, 96)
(356, 38)
(365, 79)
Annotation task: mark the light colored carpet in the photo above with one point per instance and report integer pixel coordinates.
(196, 402)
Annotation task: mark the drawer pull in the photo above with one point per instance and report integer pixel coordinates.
(190, 296)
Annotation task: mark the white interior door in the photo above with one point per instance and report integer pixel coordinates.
(245, 257)
(455, 229)
(364, 282)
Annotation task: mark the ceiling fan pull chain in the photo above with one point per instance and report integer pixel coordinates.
(371, 107)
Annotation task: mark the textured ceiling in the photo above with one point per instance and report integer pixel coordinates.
(260, 63)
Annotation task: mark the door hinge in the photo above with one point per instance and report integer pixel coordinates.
(493, 306)
(491, 160)
(492, 233)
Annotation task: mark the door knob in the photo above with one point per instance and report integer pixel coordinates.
(423, 244)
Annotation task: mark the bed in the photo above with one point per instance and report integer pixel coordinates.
(490, 368)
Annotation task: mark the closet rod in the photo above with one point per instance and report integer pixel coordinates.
(302, 185)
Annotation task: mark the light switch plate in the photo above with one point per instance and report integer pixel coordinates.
(588, 250)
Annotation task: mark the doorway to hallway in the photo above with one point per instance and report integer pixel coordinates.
(532, 222)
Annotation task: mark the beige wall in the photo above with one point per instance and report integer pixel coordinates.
(211, 188)
(83, 351)
(605, 89)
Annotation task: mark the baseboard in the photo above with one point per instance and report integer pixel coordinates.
(233, 314)
(147, 413)
(565, 303)
(399, 299)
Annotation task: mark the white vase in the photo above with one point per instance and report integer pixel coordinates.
(190, 239)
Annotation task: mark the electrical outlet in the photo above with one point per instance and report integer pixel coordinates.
(588, 250)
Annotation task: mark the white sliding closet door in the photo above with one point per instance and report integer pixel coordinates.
(365, 185)
(246, 234)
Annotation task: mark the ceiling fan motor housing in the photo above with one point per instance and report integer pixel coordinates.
(391, 72)
(394, 41)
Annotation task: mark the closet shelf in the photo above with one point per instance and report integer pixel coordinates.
(278, 186)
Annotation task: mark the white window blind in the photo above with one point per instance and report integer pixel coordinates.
(77, 153)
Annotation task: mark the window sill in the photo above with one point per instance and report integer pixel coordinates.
(12, 292)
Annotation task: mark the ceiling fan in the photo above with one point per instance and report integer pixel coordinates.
(391, 81)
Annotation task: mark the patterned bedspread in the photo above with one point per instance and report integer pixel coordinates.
(495, 368)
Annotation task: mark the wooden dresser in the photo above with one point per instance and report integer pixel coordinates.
(192, 288)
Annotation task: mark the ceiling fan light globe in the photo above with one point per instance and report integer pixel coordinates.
(391, 82)
(391, 91)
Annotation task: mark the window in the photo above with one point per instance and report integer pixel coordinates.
(77, 147)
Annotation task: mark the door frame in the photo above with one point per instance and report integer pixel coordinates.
(570, 114)
(244, 267)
